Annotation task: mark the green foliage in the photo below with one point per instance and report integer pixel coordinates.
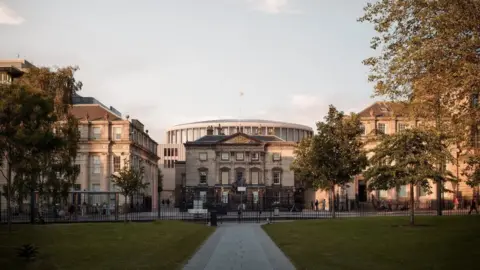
(129, 179)
(429, 57)
(410, 158)
(472, 171)
(28, 252)
(334, 155)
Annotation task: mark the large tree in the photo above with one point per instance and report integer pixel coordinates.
(409, 158)
(472, 171)
(429, 57)
(334, 155)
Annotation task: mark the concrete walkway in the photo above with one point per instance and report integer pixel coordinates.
(239, 246)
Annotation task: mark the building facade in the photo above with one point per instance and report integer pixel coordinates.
(107, 143)
(173, 150)
(216, 165)
(389, 118)
(13, 68)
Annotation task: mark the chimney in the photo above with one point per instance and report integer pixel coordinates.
(210, 130)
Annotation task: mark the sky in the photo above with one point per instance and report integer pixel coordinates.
(167, 62)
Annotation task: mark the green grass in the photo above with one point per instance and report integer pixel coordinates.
(157, 245)
(381, 243)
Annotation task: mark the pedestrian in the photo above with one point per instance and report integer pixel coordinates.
(163, 202)
(168, 202)
(84, 208)
(473, 205)
(311, 204)
(455, 203)
(316, 205)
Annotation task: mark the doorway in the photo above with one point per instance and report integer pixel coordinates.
(362, 191)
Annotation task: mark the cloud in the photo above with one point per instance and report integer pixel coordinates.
(273, 6)
(9, 16)
(304, 101)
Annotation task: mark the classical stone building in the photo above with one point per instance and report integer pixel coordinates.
(216, 165)
(389, 118)
(107, 141)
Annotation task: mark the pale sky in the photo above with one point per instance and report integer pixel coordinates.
(168, 62)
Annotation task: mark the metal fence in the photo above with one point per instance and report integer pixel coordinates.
(113, 207)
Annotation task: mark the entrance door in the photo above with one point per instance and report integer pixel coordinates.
(362, 191)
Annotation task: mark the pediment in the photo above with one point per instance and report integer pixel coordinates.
(240, 139)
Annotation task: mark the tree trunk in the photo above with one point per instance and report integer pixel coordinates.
(412, 206)
(9, 197)
(333, 202)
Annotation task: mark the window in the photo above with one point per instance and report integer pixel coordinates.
(203, 156)
(402, 191)
(224, 177)
(239, 156)
(117, 133)
(95, 187)
(96, 133)
(203, 177)
(382, 128)
(96, 164)
(225, 197)
(276, 177)
(225, 156)
(116, 163)
(255, 196)
(164, 152)
(255, 156)
(402, 127)
(239, 178)
(383, 194)
(255, 177)
(176, 152)
(362, 127)
(277, 157)
(169, 153)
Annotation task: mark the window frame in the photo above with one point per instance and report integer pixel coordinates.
(223, 155)
(384, 131)
(203, 173)
(279, 173)
(405, 127)
(205, 154)
(115, 133)
(255, 156)
(96, 165)
(276, 156)
(94, 137)
(119, 163)
(228, 177)
(240, 156)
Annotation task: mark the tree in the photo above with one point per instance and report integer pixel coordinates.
(409, 158)
(130, 181)
(26, 118)
(472, 171)
(333, 156)
(429, 57)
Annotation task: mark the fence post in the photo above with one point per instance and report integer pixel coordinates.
(32, 206)
(116, 205)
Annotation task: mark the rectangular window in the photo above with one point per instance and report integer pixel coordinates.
(402, 127)
(255, 178)
(382, 128)
(225, 156)
(116, 163)
(239, 156)
(383, 194)
(95, 187)
(203, 156)
(402, 191)
(225, 178)
(255, 156)
(255, 196)
(169, 153)
(96, 164)
(117, 133)
(164, 152)
(225, 197)
(276, 178)
(96, 133)
(277, 157)
(203, 177)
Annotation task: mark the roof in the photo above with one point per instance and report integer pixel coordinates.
(255, 139)
(94, 112)
(241, 121)
(384, 109)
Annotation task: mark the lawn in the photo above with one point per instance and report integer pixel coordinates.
(447, 242)
(157, 245)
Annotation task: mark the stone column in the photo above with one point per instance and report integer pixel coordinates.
(85, 172)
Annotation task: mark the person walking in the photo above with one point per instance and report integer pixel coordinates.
(316, 205)
(473, 205)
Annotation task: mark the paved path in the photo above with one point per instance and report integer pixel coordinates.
(239, 246)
